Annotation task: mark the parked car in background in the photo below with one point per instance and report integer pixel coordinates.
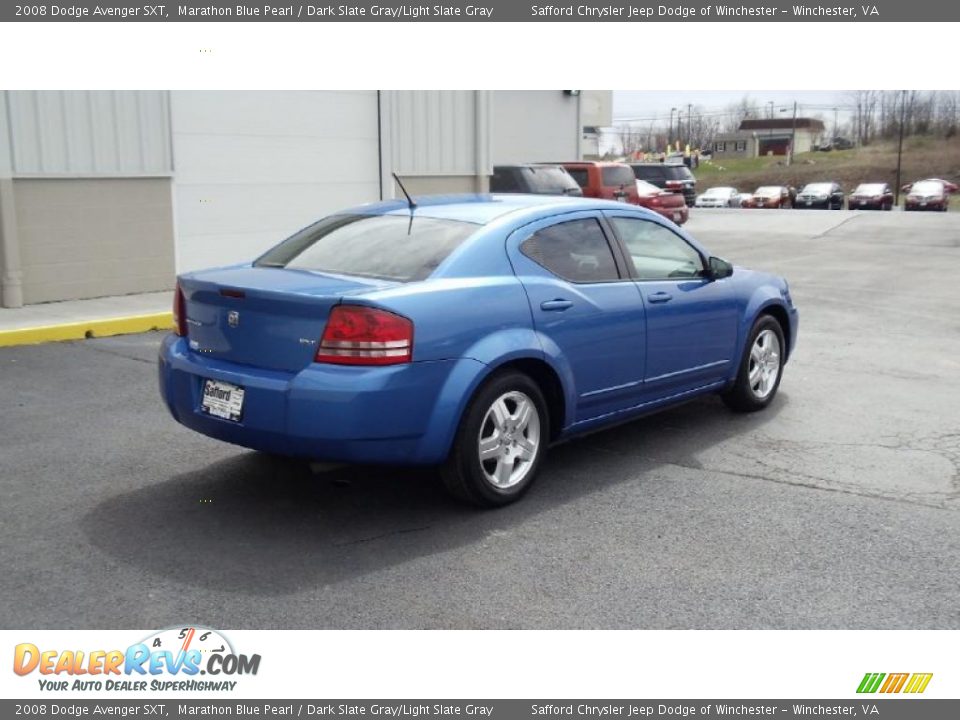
(769, 196)
(824, 195)
(719, 197)
(468, 332)
(534, 179)
(947, 185)
(928, 195)
(669, 176)
(744, 198)
(604, 180)
(669, 204)
(871, 196)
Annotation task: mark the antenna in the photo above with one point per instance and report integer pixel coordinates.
(409, 199)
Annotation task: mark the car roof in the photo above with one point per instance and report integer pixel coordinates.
(480, 208)
(590, 163)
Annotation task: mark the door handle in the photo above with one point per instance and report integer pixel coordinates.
(659, 297)
(558, 304)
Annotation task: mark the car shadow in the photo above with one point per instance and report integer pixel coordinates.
(265, 526)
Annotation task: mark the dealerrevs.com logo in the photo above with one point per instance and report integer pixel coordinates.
(171, 659)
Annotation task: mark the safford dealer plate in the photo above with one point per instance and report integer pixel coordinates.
(222, 400)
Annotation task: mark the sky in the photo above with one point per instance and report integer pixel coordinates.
(657, 103)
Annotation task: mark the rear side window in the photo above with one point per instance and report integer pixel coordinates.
(580, 176)
(617, 176)
(394, 247)
(576, 250)
(504, 180)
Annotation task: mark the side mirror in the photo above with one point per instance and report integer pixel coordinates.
(719, 268)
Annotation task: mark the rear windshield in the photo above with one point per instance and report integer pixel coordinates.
(381, 246)
(617, 175)
(649, 172)
(549, 180)
(677, 172)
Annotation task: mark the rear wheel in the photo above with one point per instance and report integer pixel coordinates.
(500, 442)
(761, 368)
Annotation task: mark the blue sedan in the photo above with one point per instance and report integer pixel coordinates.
(468, 332)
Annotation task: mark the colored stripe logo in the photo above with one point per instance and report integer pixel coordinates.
(894, 682)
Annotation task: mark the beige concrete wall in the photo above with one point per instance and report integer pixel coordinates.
(84, 238)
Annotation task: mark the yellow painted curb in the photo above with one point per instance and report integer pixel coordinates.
(88, 329)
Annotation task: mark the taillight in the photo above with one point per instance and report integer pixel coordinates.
(179, 312)
(358, 335)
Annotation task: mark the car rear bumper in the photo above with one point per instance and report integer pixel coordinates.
(394, 414)
(679, 215)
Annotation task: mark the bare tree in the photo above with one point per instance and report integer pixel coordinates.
(744, 109)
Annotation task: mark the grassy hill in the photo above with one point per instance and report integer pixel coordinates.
(923, 157)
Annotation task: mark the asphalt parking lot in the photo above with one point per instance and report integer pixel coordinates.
(839, 507)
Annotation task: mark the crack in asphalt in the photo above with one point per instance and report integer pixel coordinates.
(371, 538)
(93, 348)
(815, 482)
(830, 229)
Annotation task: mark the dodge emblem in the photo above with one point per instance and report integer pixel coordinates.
(233, 318)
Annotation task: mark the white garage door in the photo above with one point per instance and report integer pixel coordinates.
(252, 167)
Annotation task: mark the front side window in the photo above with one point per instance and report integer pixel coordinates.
(657, 253)
(393, 247)
(576, 250)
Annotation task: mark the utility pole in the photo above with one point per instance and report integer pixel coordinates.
(793, 134)
(903, 109)
(670, 129)
(770, 114)
(689, 122)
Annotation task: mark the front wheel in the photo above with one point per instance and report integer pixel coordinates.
(761, 368)
(500, 442)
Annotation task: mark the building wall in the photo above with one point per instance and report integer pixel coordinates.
(92, 237)
(437, 141)
(89, 133)
(85, 207)
(535, 126)
(253, 167)
(726, 145)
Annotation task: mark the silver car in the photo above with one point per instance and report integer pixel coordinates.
(719, 197)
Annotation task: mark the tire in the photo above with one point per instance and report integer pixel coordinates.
(496, 420)
(751, 392)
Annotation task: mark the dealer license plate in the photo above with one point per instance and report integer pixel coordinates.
(222, 400)
(809, 203)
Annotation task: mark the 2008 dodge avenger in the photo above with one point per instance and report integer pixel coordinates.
(468, 332)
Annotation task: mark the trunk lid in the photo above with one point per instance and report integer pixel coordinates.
(269, 318)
